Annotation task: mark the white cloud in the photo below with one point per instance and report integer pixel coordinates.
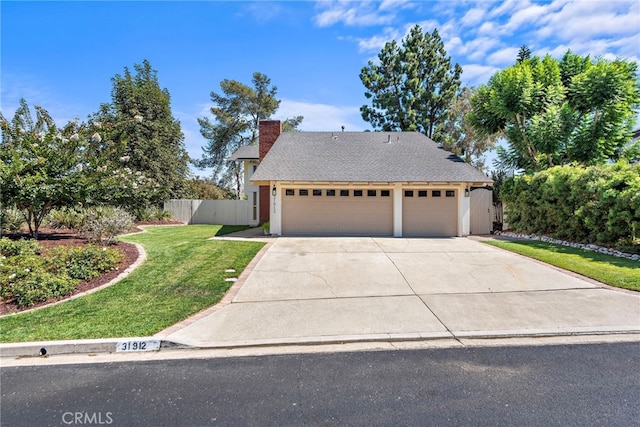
(353, 13)
(454, 44)
(322, 117)
(583, 21)
(396, 5)
(35, 92)
(606, 48)
(488, 28)
(377, 42)
(472, 17)
(264, 12)
(475, 74)
(476, 48)
(526, 16)
(508, 7)
(504, 57)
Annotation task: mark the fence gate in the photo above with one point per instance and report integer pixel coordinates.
(481, 211)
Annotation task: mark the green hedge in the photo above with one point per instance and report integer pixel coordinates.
(597, 204)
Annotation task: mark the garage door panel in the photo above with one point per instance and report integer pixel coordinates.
(337, 215)
(430, 216)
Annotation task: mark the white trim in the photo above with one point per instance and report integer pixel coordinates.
(275, 209)
(464, 212)
(397, 210)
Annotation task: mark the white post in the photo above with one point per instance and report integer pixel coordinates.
(397, 210)
(275, 220)
(464, 211)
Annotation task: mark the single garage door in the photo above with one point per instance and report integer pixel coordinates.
(336, 212)
(430, 213)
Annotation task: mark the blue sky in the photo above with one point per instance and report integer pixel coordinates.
(62, 55)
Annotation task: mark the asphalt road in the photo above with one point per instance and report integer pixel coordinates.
(514, 386)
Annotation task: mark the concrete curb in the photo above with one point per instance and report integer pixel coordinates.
(101, 345)
(108, 345)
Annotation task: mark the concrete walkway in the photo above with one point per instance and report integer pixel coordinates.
(334, 290)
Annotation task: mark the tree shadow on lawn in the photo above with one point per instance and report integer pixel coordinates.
(227, 229)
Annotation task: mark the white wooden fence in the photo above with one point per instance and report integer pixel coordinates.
(223, 212)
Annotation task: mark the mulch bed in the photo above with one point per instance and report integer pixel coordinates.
(50, 238)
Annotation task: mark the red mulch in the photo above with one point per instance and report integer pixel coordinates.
(50, 238)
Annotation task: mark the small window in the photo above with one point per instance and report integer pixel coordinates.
(384, 193)
(289, 192)
(435, 193)
(408, 193)
(317, 192)
(357, 193)
(344, 193)
(450, 193)
(303, 192)
(422, 193)
(331, 193)
(371, 193)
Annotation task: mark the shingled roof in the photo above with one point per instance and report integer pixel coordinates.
(362, 157)
(246, 152)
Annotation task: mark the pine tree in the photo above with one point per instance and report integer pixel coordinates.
(413, 86)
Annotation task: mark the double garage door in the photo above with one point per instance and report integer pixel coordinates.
(367, 212)
(335, 212)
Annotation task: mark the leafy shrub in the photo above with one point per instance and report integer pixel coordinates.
(11, 220)
(162, 215)
(105, 223)
(66, 218)
(25, 280)
(152, 214)
(82, 263)
(144, 214)
(598, 204)
(39, 287)
(11, 248)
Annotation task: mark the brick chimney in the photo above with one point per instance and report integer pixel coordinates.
(268, 132)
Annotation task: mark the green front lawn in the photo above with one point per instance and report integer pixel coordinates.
(183, 274)
(613, 271)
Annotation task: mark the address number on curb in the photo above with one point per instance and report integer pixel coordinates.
(138, 345)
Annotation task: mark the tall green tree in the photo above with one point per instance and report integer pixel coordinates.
(457, 134)
(524, 53)
(555, 112)
(42, 167)
(237, 112)
(140, 133)
(413, 85)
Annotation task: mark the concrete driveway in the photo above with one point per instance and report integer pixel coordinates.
(314, 290)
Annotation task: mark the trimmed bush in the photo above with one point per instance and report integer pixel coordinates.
(597, 204)
(27, 278)
(82, 263)
(11, 248)
(39, 286)
(102, 225)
